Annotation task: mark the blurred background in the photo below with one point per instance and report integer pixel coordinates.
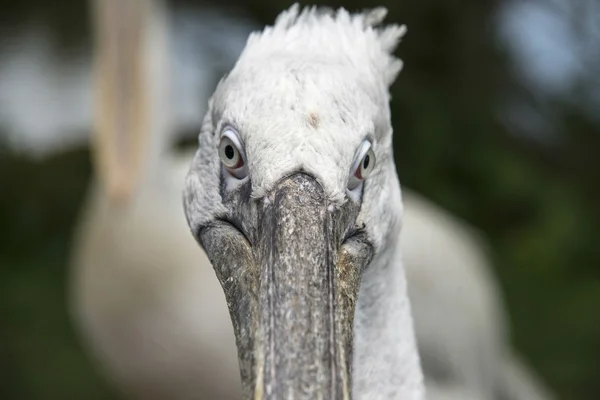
(496, 117)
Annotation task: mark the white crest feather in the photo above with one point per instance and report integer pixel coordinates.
(332, 34)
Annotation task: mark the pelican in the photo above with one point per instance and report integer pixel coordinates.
(293, 194)
(144, 295)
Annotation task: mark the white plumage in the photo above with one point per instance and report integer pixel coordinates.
(334, 68)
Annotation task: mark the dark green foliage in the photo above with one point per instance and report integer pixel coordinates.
(40, 354)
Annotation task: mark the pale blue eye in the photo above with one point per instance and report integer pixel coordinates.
(363, 165)
(232, 154)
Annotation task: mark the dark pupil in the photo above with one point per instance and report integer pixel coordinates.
(229, 152)
(366, 162)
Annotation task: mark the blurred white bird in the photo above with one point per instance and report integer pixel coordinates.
(143, 294)
(458, 310)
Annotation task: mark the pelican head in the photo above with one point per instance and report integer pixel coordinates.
(293, 194)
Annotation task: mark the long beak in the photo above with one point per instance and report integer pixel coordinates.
(120, 93)
(292, 293)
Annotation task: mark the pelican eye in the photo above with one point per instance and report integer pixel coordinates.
(231, 153)
(363, 165)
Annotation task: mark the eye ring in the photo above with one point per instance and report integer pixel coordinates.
(363, 165)
(232, 155)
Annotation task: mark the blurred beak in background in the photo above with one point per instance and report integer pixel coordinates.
(120, 103)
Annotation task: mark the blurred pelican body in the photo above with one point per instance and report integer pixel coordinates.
(145, 297)
(458, 312)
